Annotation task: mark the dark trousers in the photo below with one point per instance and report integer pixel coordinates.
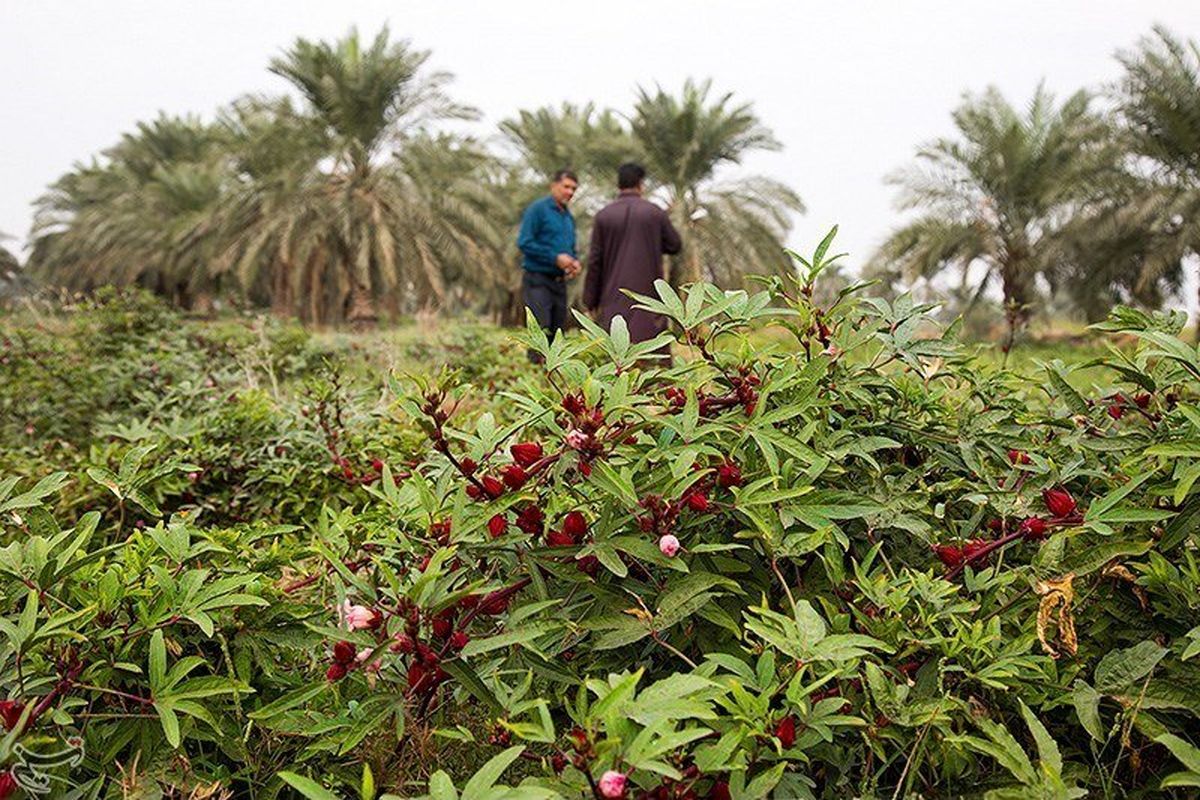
(546, 297)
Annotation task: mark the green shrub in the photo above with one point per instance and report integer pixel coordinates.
(852, 560)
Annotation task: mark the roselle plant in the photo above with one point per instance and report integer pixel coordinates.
(828, 551)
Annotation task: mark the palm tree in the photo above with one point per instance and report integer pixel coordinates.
(1012, 194)
(140, 216)
(363, 99)
(729, 227)
(1159, 102)
(12, 282)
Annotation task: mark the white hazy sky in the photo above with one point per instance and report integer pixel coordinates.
(850, 88)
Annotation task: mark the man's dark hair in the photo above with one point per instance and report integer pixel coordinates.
(630, 175)
(559, 174)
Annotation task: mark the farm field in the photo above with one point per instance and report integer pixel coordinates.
(242, 559)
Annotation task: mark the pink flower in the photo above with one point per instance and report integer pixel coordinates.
(669, 545)
(577, 439)
(357, 617)
(612, 785)
(363, 655)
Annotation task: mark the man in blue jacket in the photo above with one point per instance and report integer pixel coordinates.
(547, 243)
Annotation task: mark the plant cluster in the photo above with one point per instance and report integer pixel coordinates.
(847, 558)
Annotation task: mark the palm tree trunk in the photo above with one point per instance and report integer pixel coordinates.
(1017, 297)
(362, 315)
(281, 299)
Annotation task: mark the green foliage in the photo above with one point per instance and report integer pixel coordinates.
(796, 561)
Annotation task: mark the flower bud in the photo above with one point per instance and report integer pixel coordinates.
(335, 672)
(10, 713)
(1018, 457)
(729, 474)
(1059, 502)
(612, 785)
(575, 525)
(514, 476)
(1033, 529)
(785, 731)
(525, 454)
(559, 539)
(343, 652)
(497, 525)
(668, 545)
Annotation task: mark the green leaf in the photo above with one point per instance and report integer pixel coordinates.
(441, 787)
(1087, 706)
(462, 672)
(520, 635)
(307, 787)
(489, 773)
(1048, 752)
(366, 789)
(290, 700)
(1067, 392)
(170, 723)
(158, 661)
(1187, 753)
(1120, 668)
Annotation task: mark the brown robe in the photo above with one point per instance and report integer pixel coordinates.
(629, 237)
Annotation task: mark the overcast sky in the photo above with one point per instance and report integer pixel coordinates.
(850, 88)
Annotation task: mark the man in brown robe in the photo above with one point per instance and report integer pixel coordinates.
(629, 237)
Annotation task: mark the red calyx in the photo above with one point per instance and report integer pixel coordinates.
(949, 554)
(443, 624)
(559, 539)
(525, 454)
(578, 738)
(575, 525)
(10, 713)
(377, 465)
(719, 791)
(1115, 411)
(530, 520)
(974, 551)
(343, 653)
(785, 731)
(497, 525)
(427, 655)
(8, 785)
(558, 762)
(514, 476)
(1018, 457)
(1059, 502)
(403, 644)
(697, 501)
(468, 466)
(589, 565)
(729, 474)
(573, 404)
(492, 486)
(1142, 400)
(1033, 529)
(458, 640)
(335, 672)
(474, 492)
(440, 531)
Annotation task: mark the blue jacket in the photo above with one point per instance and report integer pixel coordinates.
(546, 231)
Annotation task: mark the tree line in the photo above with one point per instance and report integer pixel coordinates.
(1094, 200)
(347, 200)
